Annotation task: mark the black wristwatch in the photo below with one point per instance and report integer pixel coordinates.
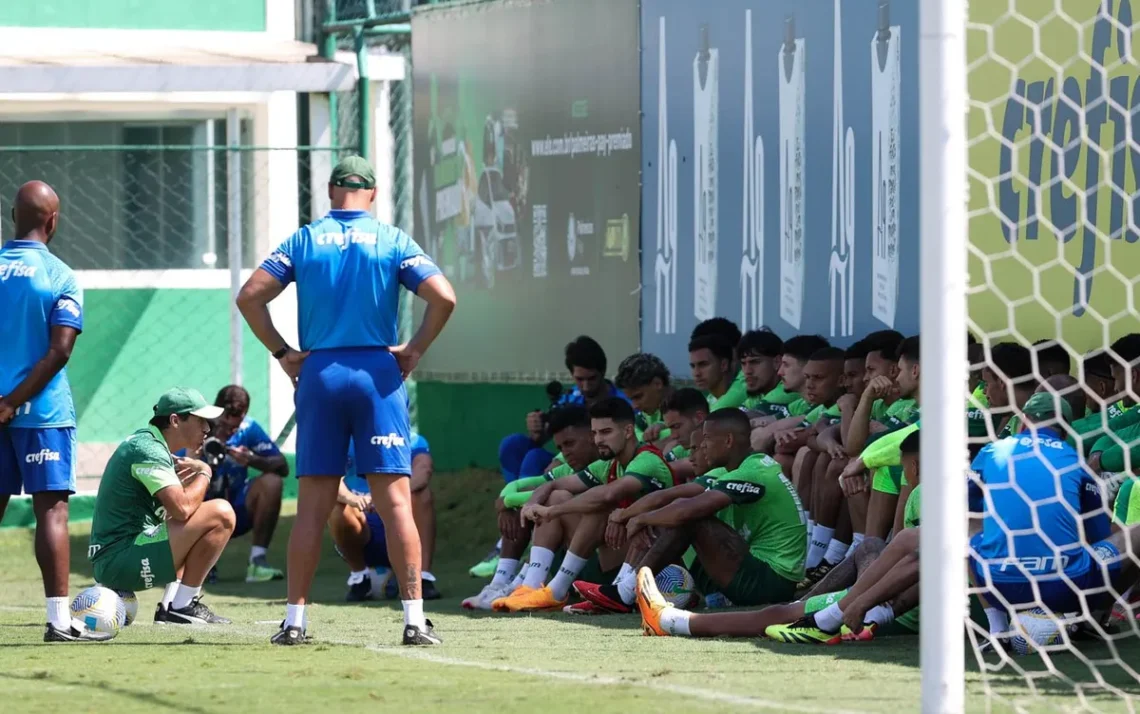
(281, 352)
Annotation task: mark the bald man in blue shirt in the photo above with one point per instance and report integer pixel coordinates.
(349, 374)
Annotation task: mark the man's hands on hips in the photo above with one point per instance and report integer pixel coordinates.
(407, 356)
(7, 412)
(291, 362)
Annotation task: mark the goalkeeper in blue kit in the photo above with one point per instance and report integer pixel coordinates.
(349, 375)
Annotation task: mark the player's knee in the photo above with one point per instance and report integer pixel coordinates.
(907, 538)
(835, 468)
(272, 486)
(424, 498)
(222, 514)
(871, 546)
(557, 497)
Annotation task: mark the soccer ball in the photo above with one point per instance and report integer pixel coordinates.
(676, 586)
(99, 610)
(131, 603)
(1036, 629)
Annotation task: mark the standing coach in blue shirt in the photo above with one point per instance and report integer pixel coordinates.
(41, 313)
(349, 374)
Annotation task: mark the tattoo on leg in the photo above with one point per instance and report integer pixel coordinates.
(671, 544)
(413, 587)
(867, 552)
(840, 577)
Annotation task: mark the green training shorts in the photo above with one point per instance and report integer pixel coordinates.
(888, 479)
(755, 583)
(139, 565)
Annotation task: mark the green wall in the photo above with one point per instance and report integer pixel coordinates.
(229, 15)
(464, 423)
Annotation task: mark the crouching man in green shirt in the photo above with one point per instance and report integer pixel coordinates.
(151, 525)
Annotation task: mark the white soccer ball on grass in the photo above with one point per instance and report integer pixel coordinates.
(99, 609)
(1036, 629)
(677, 586)
(130, 603)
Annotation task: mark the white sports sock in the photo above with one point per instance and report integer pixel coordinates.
(168, 593)
(58, 612)
(414, 613)
(676, 621)
(520, 578)
(830, 618)
(626, 569)
(506, 570)
(836, 551)
(184, 596)
(880, 615)
(627, 587)
(427, 575)
(540, 561)
(999, 620)
(810, 527)
(856, 541)
(817, 546)
(566, 575)
(499, 544)
(256, 552)
(295, 616)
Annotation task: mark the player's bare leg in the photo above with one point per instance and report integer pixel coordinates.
(392, 499)
(195, 546)
(263, 501)
(584, 534)
(3, 505)
(880, 514)
(53, 546)
(423, 510)
(316, 496)
(858, 610)
(349, 530)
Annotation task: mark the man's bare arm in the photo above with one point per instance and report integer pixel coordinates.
(660, 499)
(253, 302)
(60, 344)
(685, 510)
(599, 498)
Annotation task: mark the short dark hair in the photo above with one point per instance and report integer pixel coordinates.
(910, 444)
(718, 345)
(909, 348)
(232, 396)
(614, 408)
(568, 418)
(1053, 353)
(731, 419)
(885, 342)
(1098, 365)
(1010, 360)
(639, 369)
(687, 401)
(1127, 348)
(857, 350)
(828, 354)
(717, 327)
(761, 343)
(585, 352)
(163, 422)
(802, 347)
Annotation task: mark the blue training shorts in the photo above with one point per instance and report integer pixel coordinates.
(376, 549)
(1099, 570)
(37, 460)
(357, 395)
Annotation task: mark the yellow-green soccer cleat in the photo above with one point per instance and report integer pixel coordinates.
(486, 567)
(803, 631)
(260, 572)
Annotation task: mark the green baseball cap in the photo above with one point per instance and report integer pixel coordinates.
(182, 400)
(1043, 406)
(351, 166)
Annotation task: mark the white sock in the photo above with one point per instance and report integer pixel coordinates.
(810, 527)
(414, 613)
(506, 570)
(856, 541)
(566, 575)
(880, 615)
(676, 621)
(499, 544)
(836, 552)
(520, 578)
(184, 596)
(295, 616)
(627, 587)
(426, 575)
(540, 561)
(830, 618)
(168, 593)
(999, 620)
(256, 552)
(357, 576)
(59, 613)
(817, 546)
(626, 569)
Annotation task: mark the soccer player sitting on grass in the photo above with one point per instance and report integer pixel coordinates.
(759, 352)
(644, 379)
(576, 450)
(358, 533)
(150, 524)
(572, 511)
(725, 330)
(754, 556)
(684, 412)
(784, 407)
(710, 359)
(874, 569)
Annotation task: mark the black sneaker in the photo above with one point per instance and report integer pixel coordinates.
(993, 644)
(414, 635)
(196, 613)
(72, 634)
(212, 576)
(361, 591)
(289, 636)
(429, 590)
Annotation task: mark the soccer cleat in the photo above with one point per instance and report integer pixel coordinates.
(500, 604)
(540, 600)
(584, 608)
(651, 604)
(289, 636)
(196, 613)
(74, 634)
(814, 575)
(803, 631)
(865, 635)
(605, 598)
(486, 567)
(260, 572)
(489, 594)
(359, 588)
(415, 635)
(428, 590)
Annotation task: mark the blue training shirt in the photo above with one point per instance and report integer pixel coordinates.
(1042, 508)
(37, 292)
(575, 398)
(252, 436)
(348, 268)
(359, 484)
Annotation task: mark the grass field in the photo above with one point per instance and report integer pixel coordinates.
(487, 663)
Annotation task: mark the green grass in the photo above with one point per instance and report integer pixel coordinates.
(487, 663)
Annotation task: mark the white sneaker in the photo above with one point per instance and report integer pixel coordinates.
(486, 596)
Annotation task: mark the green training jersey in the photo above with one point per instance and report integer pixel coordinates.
(828, 416)
(736, 395)
(125, 506)
(677, 453)
(644, 420)
(887, 451)
(1119, 449)
(776, 402)
(646, 466)
(976, 406)
(768, 515)
(800, 407)
(912, 512)
(724, 515)
(1094, 427)
(900, 413)
(1127, 510)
